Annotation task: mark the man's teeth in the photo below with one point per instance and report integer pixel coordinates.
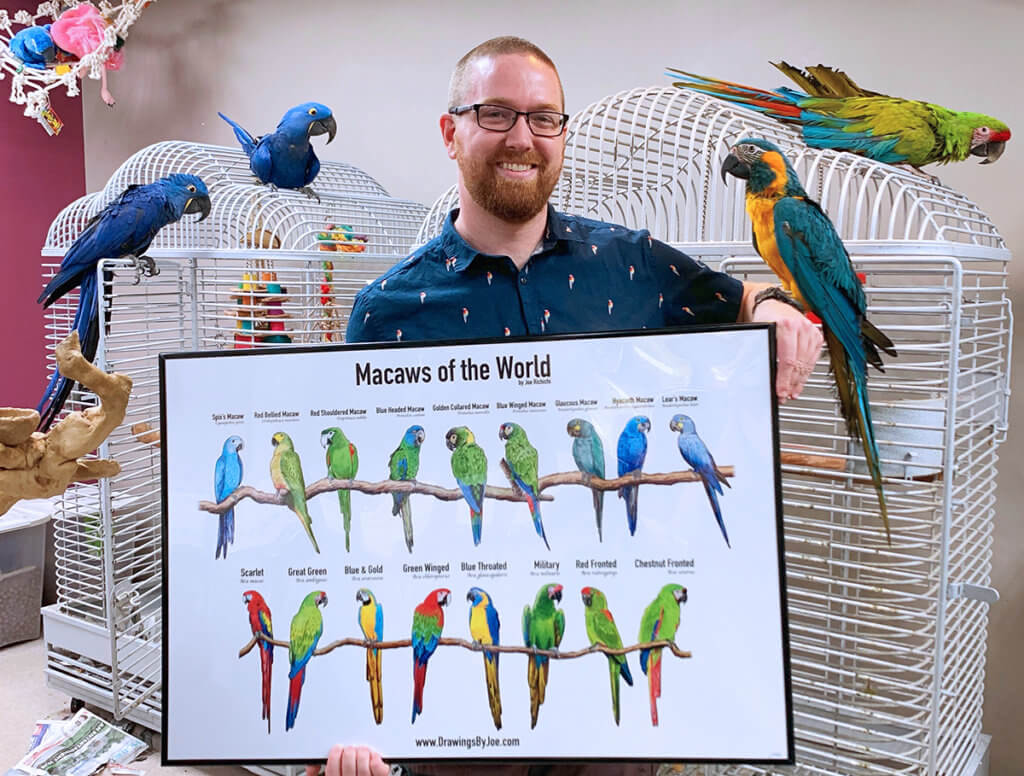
(515, 167)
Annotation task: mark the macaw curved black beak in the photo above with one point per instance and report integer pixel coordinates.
(198, 205)
(991, 150)
(326, 126)
(734, 166)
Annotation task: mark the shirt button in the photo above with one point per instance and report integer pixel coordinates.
(522, 279)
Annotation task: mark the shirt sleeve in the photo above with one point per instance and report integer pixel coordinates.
(360, 321)
(696, 293)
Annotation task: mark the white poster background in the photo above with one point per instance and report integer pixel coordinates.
(727, 702)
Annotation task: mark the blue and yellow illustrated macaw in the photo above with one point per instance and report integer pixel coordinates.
(371, 622)
(124, 228)
(484, 626)
(227, 475)
(696, 453)
(632, 450)
(588, 453)
(798, 241)
(285, 158)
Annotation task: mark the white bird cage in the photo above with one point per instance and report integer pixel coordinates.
(252, 274)
(887, 643)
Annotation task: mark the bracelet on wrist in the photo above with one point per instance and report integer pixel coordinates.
(777, 294)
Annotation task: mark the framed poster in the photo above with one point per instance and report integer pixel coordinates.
(451, 551)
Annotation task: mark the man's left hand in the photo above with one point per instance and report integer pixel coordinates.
(797, 346)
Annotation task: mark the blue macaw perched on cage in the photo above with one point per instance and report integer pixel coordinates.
(285, 158)
(797, 240)
(124, 228)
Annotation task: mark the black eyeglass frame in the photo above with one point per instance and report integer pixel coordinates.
(458, 110)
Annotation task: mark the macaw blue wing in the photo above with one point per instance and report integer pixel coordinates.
(261, 161)
(473, 495)
(312, 168)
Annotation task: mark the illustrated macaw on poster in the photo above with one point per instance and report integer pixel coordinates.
(427, 624)
(403, 465)
(543, 628)
(307, 627)
(259, 622)
(286, 474)
(342, 464)
(632, 450)
(697, 455)
(798, 241)
(521, 459)
(660, 622)
(371, 622)
(601, 629)
(469, 465)
(484, 626)
(588, 453)
(227, 476)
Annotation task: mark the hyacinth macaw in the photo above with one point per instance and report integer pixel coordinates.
(469, 465)
(427, 624)
(259, 621)
(286, 474)
(227, 475)
(371, 621)
(601, 629)
(34, 47)
(632, 450)
(342, 464)
(521, 459)
(834, 112)
(659, 623)
(588, 453)
(124, 228)
(543, 628)
(483, 628)
(404, 464)
(285, 158)
(307, 627)
(797, 240)
(696, 453)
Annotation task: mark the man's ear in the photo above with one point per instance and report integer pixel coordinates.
(447, 123)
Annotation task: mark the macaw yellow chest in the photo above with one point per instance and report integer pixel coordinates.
(368, 620)
(762, 216)
(478, 625)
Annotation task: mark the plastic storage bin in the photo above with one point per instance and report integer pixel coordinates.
(22, 556)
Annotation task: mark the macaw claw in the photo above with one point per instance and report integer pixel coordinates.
(310, 193)
(144, 267)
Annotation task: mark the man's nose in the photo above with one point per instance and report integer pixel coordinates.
(520, 135)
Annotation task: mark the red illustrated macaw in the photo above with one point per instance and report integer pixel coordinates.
(259, 621)
(427, 624)
(307, 627)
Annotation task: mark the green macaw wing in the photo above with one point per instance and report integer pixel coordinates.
(559, 623)
(404, 462)
(527, 622)
(307, 626)
(342, 459)
(604, 630)
(522, 457)
(650, 620)
(291, 470)
(469, 464)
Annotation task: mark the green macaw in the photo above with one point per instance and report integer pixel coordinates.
(521, 458)
(469, 465)
(543, 628)
(342, 464)
(286, 474)
(307, 627)
(601, 629)
(404, 464)
(659, 623)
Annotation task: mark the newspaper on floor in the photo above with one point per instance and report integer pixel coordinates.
(78, 747)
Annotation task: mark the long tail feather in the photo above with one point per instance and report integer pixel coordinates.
(776, 105)
(345, 504)
(373, 660)
(654, 683)
(294, 695)
(406, 509)
(613, 669)
(419, 678)
(266, 666)
(493, 690)
(476, 521)
(599, 511)
(247, 141)
(713, 498)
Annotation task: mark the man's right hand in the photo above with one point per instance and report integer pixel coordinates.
(351, 761)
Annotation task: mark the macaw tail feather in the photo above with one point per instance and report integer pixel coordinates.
(345, 504)
(294, 693)
(538, 526)
(373, 676)
(779, 105)
(613, 669)
(599, 511)
(419, 678)
(225, 532)
(537, 678)
(713, 498)
(630, 493)
(493, 691)
(874, 340)
(266, 666)
(247, 141)
(853, 401)
(406, 510)
(624, 670)
(307, 523)
(654, 684)
(476, 520)
(824, 81)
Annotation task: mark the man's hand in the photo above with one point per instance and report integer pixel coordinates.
(797, 346)
(351, 761)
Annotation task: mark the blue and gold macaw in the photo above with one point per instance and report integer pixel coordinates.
(484, 627)
(797, 240)
(371, 622)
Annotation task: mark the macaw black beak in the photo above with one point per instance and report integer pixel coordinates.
(734, 166)
(681, 596)
(991, 150)
(326, 126)
(198, 205)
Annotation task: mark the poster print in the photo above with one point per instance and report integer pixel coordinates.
(567, 548)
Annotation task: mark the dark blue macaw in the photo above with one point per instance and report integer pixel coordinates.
(632, 450)
(227, 475)
(285, 158)
(696, 453)
(588, 453)
(124, 228)
(797, 240)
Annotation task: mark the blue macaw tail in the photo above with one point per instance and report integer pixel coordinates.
(225, 532)
(644, 653)
(599, 511)
(624, 670)
(476, 520)
(294, 693)
(630, 493)
(538, 525)
(247, 141)
(713, 498)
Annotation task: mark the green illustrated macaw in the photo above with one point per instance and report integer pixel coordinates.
(404, 464)
(484, 626)
(286, 474)
(307, 627)
(543, 628)
(469, 465)
(371, 622)
(797, 240)
(342, 464)
(601, 629)
(659, 623)
(521, 459)
(588, 453)
(427, 624)
(834, 112)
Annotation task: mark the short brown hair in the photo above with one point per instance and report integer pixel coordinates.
(506, 44)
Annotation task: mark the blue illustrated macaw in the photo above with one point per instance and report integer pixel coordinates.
(124, 228)
(798, 241)
(696, 453)
(632, 451)
(227, 475)
(285, 158)
(588, 453)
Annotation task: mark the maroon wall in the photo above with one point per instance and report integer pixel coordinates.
(41, 174)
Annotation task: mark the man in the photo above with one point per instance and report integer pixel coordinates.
(508, 264)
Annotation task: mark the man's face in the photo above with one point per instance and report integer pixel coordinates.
(509, 174)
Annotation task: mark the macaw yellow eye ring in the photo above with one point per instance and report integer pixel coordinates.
(191, 188)
(312, 111)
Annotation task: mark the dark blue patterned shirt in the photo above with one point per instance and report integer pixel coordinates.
(586, 276)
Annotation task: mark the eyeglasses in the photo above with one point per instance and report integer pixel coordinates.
(499, 118)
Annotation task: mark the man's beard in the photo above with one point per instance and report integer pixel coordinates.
(510, 200)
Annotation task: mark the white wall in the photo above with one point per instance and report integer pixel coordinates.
(383, 67)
